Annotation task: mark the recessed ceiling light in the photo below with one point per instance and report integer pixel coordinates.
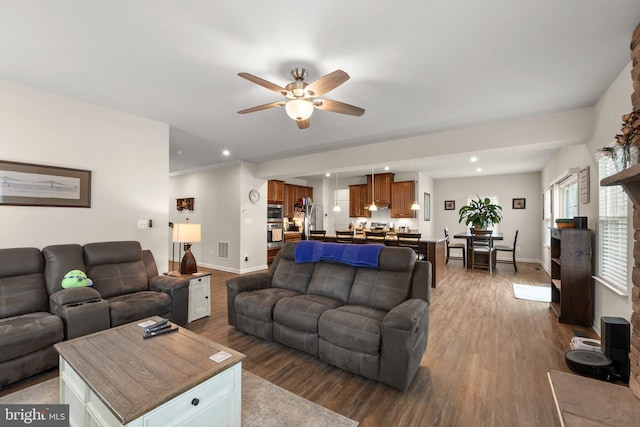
(479, 170)
(327, 174)
(225, 152)
(386, 168)
(473, 159)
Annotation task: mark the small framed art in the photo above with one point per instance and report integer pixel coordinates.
(519, 203)
(449, 205)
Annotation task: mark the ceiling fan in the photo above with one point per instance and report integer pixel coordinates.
(302, 96)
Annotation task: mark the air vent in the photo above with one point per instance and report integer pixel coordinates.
(223, 250)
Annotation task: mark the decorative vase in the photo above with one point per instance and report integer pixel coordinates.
(624, 156)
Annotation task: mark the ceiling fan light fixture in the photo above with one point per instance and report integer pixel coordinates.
(299, 109)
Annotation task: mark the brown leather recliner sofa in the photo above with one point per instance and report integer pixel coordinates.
(373, 321)
(36, 312)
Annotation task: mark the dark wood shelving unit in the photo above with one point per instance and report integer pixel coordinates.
(571, 275)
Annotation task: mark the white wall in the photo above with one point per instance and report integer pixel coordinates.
(223, 209)
(615, 102)
(506, 187)
(128, 156)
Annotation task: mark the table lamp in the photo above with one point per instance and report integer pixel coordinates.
(187, 234)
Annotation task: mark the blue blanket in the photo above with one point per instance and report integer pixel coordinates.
(356, 255)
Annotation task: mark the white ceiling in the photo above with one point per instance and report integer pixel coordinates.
(417, 67)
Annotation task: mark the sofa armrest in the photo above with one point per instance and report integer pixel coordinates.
(237, 285)
(405, 330)
(82, 310)
(178, 289)
(71, 296)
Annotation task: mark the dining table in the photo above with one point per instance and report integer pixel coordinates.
(467, 235)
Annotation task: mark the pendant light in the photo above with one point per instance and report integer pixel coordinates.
(373, 206)
(336, 208)
(415, 206)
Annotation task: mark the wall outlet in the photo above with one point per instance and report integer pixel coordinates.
(246, 258)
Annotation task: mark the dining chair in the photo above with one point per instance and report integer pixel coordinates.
(507, 248)
(344, 236)
(317, 235)
(450, 246)
(411, 240)
(375, 236)
(482, 250)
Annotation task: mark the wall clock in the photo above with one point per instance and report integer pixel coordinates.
(254, 196)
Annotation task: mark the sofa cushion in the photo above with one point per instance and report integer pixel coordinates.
(22, 287)
(116, 268)
(303, 311)
(131, 307)
(59, 260)
(380, 289)
(259, 304)
(292, 276)
(353, 327)
(332, 280)
(24, 334)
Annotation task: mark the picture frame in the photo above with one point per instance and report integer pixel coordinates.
(427, 207)
(519, 203)
(28, 184)
(449, 205)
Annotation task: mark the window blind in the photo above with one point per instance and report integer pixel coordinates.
(612, 229)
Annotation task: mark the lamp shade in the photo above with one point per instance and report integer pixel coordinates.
(186, 233)
(299, 109)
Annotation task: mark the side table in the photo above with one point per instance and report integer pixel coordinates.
(199, 292)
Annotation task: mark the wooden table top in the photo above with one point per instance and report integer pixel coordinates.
(467, 235)
(132, 375)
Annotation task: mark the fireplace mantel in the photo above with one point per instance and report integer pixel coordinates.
(629, 179)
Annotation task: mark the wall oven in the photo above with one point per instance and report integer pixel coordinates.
(275, 213)
(275, 234)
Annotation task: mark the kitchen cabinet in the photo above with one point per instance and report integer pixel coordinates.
(275, 192)
(358, 201)
(289, 200)
(271, 255)
(292, 236)
(402, 197)
(382, 189)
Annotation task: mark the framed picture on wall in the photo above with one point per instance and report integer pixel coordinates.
(27, 184)
(427, 206)
(519, 203)
(449, 205)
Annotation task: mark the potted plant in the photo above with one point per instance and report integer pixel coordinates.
(480, 213)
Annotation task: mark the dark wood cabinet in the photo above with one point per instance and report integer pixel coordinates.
(381, 190)
(271, 254)
(289, 200)
(275, 192)
(358, 201)
(402, 197)
(571, 275)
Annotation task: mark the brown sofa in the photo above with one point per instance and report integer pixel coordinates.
(36, 312)
(370, 321)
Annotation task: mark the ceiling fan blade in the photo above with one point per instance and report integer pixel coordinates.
(338, 107)
(262, 82)
(262, 107)
(303, 124)
(326, 83)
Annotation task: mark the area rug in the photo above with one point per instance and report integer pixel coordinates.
(264, 404)
(532, 293)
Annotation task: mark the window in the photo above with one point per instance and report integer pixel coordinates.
(568, 191)
(547, 213)
(612, 230)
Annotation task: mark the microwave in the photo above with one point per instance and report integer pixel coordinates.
(275, 213)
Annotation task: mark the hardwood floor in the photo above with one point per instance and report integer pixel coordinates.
(485, 365)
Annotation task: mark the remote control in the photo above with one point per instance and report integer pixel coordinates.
(155, 325)
(158, 328)
(160, 332)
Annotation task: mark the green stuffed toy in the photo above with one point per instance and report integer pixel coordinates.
(75, 279)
